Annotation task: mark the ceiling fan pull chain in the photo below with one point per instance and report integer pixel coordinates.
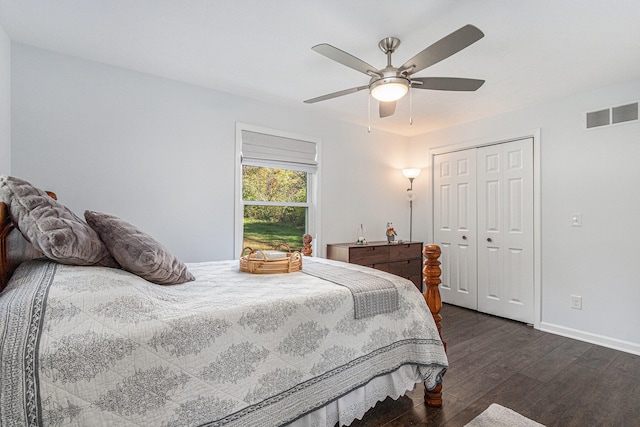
(410, 106)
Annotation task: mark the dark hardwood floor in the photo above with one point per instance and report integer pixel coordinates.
(553, 380)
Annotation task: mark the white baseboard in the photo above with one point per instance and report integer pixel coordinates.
(626, 346)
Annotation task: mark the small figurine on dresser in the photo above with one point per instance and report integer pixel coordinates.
(361, 236)
(391, 233)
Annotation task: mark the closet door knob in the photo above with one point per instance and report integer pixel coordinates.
(464, 237)
(489, 239)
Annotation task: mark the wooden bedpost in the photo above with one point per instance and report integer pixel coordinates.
(5, 228)
(306, 245)
(431, 279)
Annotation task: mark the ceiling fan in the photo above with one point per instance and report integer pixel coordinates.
(392, 83)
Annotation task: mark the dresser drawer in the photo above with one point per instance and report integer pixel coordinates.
(368, 255)
(405, 251)
(406, 269)
(382, 267)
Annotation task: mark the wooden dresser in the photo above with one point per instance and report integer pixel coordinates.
(402, 259)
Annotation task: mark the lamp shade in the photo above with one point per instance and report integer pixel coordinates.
(411, 173)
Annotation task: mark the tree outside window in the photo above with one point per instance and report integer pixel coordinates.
(276, 207)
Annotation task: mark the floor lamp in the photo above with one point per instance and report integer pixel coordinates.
(411, 174)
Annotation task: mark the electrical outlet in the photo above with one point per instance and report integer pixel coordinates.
(576, 220)
(576, 302)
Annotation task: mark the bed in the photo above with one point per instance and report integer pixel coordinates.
(98, 345)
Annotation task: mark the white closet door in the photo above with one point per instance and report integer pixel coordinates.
(455, 226)
(505, 230)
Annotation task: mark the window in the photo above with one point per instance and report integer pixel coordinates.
(276, 189)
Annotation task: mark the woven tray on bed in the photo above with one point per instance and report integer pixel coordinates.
(270, 262)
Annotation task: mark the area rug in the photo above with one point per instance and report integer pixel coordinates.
(499, 416)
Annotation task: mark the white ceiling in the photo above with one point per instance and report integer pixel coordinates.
(533, 50)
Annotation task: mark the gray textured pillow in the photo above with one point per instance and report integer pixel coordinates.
(51, 227)
(137, 252)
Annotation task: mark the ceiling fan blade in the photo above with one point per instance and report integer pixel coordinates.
(387, 109)
(345, 59)
(335, 94)
(443, 48)
(446, 83)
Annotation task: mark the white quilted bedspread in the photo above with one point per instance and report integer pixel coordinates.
(98, 346)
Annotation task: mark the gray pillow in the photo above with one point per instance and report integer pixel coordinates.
(137, 252)
(51, 227)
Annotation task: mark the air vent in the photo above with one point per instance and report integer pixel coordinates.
(597, 118)
(624, 113)
(612, 116)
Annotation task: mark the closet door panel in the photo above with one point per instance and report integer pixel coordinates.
(505, 224)
(490, 229)
(443, 220)
(455, 225)
(518, 236)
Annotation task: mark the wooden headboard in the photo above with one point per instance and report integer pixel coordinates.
(14, 248)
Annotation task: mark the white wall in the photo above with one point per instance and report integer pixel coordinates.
(5, 103)
(596, 173)
(160, 153)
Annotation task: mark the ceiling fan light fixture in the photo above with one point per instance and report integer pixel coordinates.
(389, 89)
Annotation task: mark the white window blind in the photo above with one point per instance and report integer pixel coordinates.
(259, 149)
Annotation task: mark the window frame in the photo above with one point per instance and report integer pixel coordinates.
(312, 203)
